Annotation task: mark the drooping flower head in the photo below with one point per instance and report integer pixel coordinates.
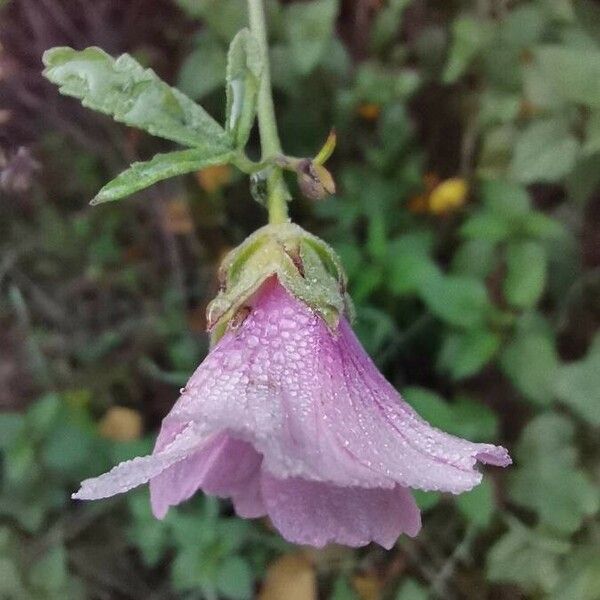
(288, 417)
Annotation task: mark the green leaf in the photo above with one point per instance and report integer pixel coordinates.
(578, 385)
(468, 37)
(531, 363)
(505, 199)
(426, 500)
(486, 225)
(580, 576)
(342, 590)
(133, 95)
(48, 574)
(583, 181)
(466, 353)
(309, 29)
(11, 583)
(68, 447)
(475, 258)
(587, 13)
(149, 534)
(592, 133)
(545, 152)
(527, 557)
(203, 70)
(539, 225)
(525, 280)
(573, 73)
(547, 479)
(477, 505)
(375, 329)
(235, 579)
(464, 417)
(244, 68)
(457, 300)
(411, 590)
(141, 175)
(387, 23)
(409, 264)
(42, 415)
(223, 17)
(11, 426)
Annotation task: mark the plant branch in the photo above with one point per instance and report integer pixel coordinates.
(267, 124)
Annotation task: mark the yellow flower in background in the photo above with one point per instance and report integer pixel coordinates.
(448, 196)
(369, 111)
(121, 424)
(214, 177)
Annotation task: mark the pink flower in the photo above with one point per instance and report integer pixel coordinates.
(295, 422)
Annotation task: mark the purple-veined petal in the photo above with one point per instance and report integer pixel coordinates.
(316, 407)
(132, 473)
(313, 513)
(224, 466)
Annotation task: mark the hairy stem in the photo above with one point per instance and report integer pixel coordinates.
(267, 124)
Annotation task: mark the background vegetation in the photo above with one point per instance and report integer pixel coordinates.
(468, 217)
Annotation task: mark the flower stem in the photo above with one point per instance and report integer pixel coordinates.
(267, 124)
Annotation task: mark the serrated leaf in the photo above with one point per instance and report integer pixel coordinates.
(309, 29)
(544, 152)
(133, 95)
(526, 265)
(162, 166)
(547, 479)
(244, 68)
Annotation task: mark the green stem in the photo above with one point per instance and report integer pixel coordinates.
(267, 124)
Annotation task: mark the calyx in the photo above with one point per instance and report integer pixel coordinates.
(304, 264)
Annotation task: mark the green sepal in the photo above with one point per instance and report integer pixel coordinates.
(304, 265)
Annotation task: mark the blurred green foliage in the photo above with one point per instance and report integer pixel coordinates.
(482, 307)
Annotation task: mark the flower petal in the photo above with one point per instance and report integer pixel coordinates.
(224, 466)
(384, 432)
(316, 407)
(263, 383)
(309, 512)
(132, 473)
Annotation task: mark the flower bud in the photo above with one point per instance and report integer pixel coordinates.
(315, 181)
(305, 265)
